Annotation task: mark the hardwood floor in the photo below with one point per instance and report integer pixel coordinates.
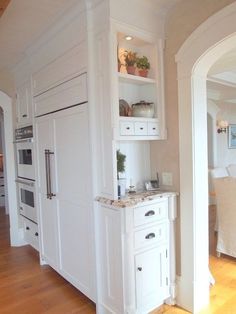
(28, 288)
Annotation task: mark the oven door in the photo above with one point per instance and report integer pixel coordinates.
(26, 195)
(25, 159)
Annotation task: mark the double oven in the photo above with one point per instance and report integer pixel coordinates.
(25, 172)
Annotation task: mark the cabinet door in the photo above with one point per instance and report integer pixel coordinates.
(24, 104)
(47, 207)
(73, 195)
(151, 278)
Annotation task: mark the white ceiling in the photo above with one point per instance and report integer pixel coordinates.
(222, 79)
(25, 20)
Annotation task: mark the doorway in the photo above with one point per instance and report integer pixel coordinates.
(16, 233)
(200, 51)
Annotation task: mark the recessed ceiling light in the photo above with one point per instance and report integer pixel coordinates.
(128, 37)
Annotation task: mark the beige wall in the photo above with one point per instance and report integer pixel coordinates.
(7, 82)
(8, 87)
(181, 22)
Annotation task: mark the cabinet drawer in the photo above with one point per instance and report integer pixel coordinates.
(60, 70)
(31, 234)
(149, 236)
(126, 128)
(70, 93)
(153, 128)
(140, 128)
(150, 213)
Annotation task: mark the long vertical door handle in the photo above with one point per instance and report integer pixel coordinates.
(48, 174)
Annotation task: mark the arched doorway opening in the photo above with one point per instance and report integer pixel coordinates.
(16, 233)
(201, 50)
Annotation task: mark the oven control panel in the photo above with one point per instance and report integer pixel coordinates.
(26, 132)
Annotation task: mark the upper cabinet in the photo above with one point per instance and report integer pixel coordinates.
(24, 104)
(138, 102)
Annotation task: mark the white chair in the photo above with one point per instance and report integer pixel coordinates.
(219, 172)
(225, 189)
(232, 170)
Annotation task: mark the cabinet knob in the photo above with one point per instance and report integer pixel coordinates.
(141, 128)
(27, 228)
(21, 208)
(139, 268)
(127, 128)
(150, 236)
(150, 213)
(154, 128)
(36, 234)
(24, 115)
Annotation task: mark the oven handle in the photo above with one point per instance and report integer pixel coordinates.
(25, 140)
(24, 182)
(48, 173)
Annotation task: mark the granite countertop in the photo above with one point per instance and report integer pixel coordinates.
(134, 199)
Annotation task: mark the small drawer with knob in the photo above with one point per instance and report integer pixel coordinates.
(150, 236)
(140, 128)
(31, 233)
(126, 128)
(153, 128)
(151, 213)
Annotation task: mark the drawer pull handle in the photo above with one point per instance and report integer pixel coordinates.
(140, 268)
(27, 228)
(150, 213)
(2, 185)
(127, 128)
(36, 234)
(150, 236)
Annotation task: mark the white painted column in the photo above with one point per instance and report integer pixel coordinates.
(193, 285)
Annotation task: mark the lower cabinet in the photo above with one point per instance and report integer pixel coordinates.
(31, 233)
(134, 257)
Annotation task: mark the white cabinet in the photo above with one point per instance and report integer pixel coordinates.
(24, 104)
(139, 128)
(151, 274)
(134, 256)
(65, 201)
(2, 190)
(31, 234)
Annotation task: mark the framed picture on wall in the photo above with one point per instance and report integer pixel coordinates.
(232, 136)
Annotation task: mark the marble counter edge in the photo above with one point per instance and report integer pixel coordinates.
(134, 200)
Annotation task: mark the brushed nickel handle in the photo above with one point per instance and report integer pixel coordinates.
(150, 236)
(150, 213)
(48, 174)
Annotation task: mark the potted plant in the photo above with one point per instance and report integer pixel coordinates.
(120, 158)
(143, 65)
(130, 60)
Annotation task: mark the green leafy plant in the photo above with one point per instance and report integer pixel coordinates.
(143, 63)
(130, 58)
(120, 162)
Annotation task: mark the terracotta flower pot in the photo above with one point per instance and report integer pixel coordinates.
(143, 72)
(130, 69)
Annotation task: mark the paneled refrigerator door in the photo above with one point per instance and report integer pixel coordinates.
(74, 196)
(47, 202)
(65, 196)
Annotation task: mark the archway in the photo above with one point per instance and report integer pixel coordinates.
(200, 51)
(16, 233)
